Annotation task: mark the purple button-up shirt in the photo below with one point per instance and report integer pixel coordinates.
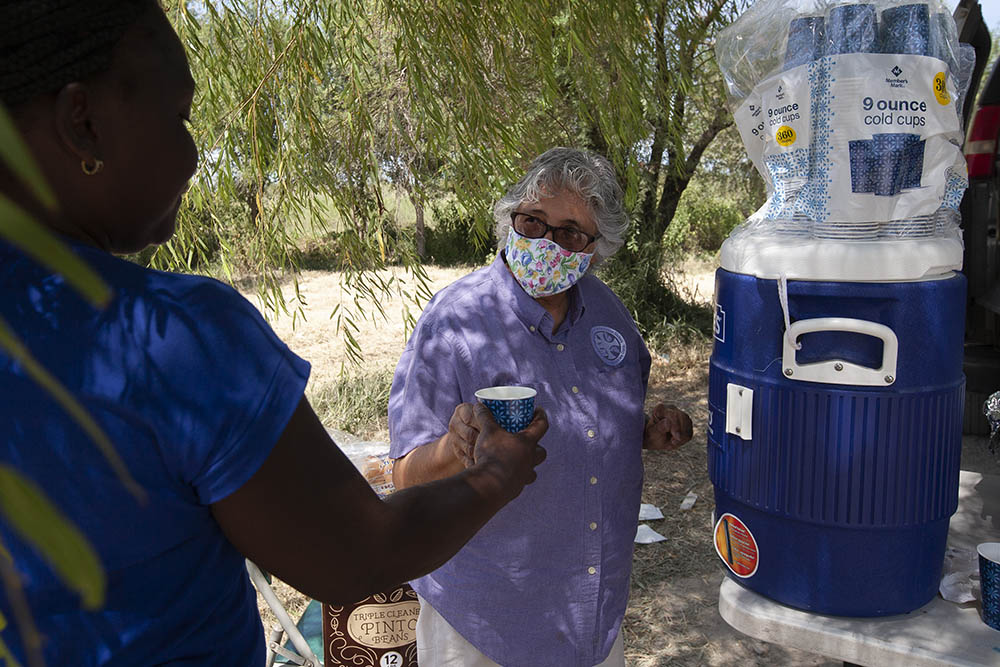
(546, 581)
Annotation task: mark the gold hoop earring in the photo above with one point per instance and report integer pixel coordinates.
(90, 170)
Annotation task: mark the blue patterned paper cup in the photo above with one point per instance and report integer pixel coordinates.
(989, 582)
(512, 407)
(852, 29)
(906, 29)
(943, 36)
(806, 41)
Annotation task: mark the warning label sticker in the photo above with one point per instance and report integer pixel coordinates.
(736, 546)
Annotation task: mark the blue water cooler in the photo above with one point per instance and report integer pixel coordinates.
(835, 386)
(834, 440)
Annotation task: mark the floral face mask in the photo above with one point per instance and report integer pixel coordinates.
(543, 267)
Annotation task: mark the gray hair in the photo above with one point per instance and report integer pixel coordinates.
(586, 174)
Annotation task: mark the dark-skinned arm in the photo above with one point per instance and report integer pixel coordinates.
(311, 519)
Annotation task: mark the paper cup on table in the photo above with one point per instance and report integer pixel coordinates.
(989, 582)
(512, 407)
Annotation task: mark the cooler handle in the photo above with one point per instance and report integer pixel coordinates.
(839, 371)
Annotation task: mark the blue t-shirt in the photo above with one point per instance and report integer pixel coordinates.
(193, 388)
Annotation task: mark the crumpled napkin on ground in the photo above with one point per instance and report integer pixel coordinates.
(646, 535)
(960, 576)
(689, 500)
(649, 512)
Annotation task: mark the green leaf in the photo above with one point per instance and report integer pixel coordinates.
(15, 153)
(59, 542)
(13, 346)
(17, 227)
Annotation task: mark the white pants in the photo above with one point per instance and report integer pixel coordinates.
(439, 645)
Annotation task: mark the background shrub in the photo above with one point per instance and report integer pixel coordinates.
(703, 221)
(454, 238)
(355, 402)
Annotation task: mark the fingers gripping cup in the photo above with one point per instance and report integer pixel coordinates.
(512, 407)
(989, 582)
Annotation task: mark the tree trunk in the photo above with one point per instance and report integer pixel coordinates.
(418, 228)
(677, 180)
(250, 198)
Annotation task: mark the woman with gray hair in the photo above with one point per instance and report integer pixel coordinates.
(546, 581)
(587, 175)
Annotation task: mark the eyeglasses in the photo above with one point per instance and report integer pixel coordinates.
(567, 237)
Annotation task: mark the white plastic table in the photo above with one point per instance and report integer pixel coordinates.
(939, 633)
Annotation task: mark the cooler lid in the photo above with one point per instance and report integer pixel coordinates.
(892, 260)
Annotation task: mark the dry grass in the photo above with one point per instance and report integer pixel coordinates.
(672, 617)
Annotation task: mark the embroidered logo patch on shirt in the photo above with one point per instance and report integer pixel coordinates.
(609, 345)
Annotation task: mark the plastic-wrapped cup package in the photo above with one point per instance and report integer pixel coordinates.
(852, 29)
(512, 407)
(849, 112)
(906, 29)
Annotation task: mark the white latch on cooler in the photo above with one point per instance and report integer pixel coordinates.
(739, 411)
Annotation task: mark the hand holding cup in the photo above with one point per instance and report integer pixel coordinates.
(513, 455)
(463, 429)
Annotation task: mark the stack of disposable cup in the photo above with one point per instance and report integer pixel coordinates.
(851, 115)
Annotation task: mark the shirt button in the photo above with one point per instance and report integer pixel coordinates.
(590, 433)
(560, 347)
(593, 480)
(591, 570)
(593, 525)
(532, 327)
(576, 390)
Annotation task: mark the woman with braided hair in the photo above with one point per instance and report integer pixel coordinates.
(202, 401)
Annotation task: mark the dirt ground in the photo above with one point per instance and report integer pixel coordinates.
(673, 616)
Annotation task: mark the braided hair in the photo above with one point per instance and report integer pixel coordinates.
(46, 44)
